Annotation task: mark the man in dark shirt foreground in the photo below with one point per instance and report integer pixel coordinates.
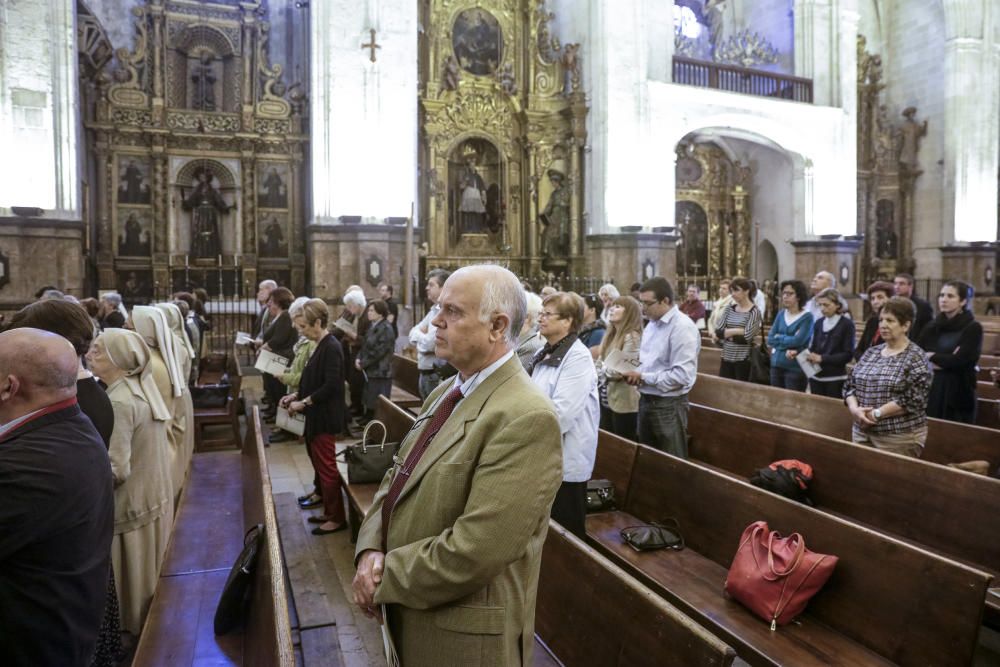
(57, 513)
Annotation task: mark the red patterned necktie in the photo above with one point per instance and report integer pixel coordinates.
(441, 415)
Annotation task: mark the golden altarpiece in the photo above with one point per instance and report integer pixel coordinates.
(712, 214)
(887, 171)
(198, 153)
(502, 136)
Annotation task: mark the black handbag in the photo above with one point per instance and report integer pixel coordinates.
(600, 495)
(665, 534)
(366, 462)
(235, 598)
(760, 365)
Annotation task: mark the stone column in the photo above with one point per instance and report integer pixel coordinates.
(971, 120)
(840, 257)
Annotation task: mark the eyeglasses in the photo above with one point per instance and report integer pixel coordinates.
(787, 293)
(647, 304)
(544, 315)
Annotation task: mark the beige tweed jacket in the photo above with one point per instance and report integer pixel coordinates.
(465, 540)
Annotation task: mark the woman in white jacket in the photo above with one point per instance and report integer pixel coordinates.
(564, 370)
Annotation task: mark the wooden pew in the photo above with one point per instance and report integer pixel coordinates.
(360, 496)
(875, 609)
(948, 511)
(947, 442)
(406, 377)
(226, 493)
(591, 612)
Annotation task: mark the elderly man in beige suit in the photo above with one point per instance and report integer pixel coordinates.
(453, 542)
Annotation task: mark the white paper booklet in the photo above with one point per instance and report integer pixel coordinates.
(292, 423)
(269, 362)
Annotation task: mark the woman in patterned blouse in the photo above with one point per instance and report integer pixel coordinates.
(737, 330)
(887, 390)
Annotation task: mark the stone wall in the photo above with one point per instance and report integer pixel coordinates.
(40, 252)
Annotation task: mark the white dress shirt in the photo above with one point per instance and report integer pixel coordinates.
(424, 342)
(668, 355)
(572, 387)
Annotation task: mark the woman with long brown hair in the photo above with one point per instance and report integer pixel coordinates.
(620, 400)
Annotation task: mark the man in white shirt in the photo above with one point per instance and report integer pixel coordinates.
(668, 358)
(423, 334)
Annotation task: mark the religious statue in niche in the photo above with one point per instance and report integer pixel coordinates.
(203, 79)
(910, 134)
(692, 246)
(133, 241)
(477, 41)
(273, 188)
(555, 218)
(272, 238)
(133, 183)
(452, 75)
(206, 205)
(886, 240)
(473, 176)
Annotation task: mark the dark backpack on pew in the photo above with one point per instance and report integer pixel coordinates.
(789, 478)
(235, 598)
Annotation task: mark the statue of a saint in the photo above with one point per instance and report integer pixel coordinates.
(207, 204)
(555, 218)
(473, 203)
(203, 82)
(132, 189)
(275, 195)
(910, 134)
(451, 75)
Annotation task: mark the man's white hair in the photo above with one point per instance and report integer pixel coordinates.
(534, 306)
(267, 284)
(355, 298)
(827, 276)
(502, 293)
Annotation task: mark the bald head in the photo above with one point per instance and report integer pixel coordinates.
(37, 368)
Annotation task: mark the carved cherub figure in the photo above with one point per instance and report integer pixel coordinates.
(571, 67)
(506, 79)
(451, 75)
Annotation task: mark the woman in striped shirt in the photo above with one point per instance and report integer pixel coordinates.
(739, 327)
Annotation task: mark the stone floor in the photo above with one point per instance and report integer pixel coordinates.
(360, 639)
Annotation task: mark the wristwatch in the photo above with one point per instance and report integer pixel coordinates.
(877, 414)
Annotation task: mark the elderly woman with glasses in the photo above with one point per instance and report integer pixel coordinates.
(564, 370)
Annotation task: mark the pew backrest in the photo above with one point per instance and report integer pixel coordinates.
(267, 636)
(946, 510)
(947, 442)
(901, 601)
(591, 612)
(405, 374)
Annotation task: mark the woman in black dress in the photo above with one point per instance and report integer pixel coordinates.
(72, 322)
(375, 358)
(953, 341)
(321, 398)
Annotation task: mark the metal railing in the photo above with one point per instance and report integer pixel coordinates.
(736, 79)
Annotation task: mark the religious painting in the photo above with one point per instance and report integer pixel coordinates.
(207, 206)
(272, 235)
(477, 41)
(272, 192)
(474, 188)
(134, 232)
(692, 246)
(886, 239)
(136, 287)
(133, 180)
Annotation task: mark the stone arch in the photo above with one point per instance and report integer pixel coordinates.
(188, 174)
(201, 35)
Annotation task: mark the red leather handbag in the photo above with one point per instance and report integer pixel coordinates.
(775, 576)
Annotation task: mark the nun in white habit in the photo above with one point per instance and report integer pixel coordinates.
(151, 324)
(185, 356)
(144, 506)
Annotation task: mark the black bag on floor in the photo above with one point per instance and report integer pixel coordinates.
(235, 596)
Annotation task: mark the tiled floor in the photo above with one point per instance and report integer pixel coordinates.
(360, 639)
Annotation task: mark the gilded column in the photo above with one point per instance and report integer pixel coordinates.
(532, 206)
(248, 207)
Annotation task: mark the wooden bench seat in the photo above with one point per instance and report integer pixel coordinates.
(692, 580)
(888, 601)
(945, 510)
(591, 612)
(947, 442)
